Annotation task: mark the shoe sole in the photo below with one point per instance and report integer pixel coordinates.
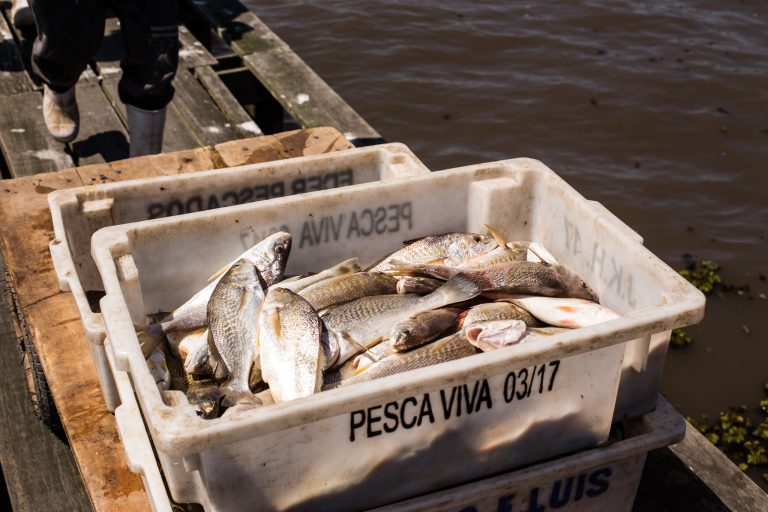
(66, 140)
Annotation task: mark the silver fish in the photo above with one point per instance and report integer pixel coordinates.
(291, 355)
(422, 328)
(499, 311)
(197, 359)
(517, 277)
(360, 324)
(563, 312)
(418, 284)
(233, 324)
(268, 256)
(345, 268)
(438, 248)
(449, 348)
(346, 288)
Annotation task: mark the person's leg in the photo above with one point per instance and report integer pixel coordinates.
(150, 33)
(69, 33)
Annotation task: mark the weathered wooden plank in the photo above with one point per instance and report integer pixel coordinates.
(282, 145)
(102, 136)
(735, 489)
(202, 116)
(177, 135)
(51, 315)
(26, 144)
(13, 76)
(226, 102)
(193, 53)
(40, 471)
(302, 93)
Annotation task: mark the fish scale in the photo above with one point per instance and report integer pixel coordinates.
(453, 246)
(499, 311)
(346, 288)
(291, 355)
(232, 318)
(449, 348)
(362, 323)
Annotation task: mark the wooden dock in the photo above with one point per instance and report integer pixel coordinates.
(221, 42)
(238, 87)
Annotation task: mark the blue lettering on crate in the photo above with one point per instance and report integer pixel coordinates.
(562, 492)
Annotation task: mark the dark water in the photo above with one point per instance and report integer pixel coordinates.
(657, 109)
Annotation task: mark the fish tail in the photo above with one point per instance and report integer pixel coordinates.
(459, 288)
(439, 271)
(234, 395)
(350, 266)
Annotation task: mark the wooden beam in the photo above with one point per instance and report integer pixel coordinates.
(193, 53)
(734, 488)
(27, 146)
(301, 92)
(13, 75)
(227, 103)
(40, 471)
(201, 114)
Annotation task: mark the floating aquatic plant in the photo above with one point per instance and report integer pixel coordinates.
(703, 274)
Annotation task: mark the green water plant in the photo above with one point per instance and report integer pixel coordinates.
(736, 435)
(680, 338)
(703, 274)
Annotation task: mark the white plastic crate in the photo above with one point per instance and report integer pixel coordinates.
(597, 480)
(337, 449)
(79, 212)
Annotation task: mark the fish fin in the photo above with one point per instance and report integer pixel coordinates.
(496, 236)
(361, 347)
(220, 370)
(245, 298)
(349, 266)
(273, 319)
(459, 288)
(233, 396)
(414, 240)
(542, 254)
(375, 264)
(219, 272)
(401, 267)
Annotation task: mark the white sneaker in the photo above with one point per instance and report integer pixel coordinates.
(62, 118)
(146, 130)
(21, 13)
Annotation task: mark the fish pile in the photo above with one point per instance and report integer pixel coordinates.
(253, 337)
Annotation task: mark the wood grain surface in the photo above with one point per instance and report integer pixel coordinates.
(53, 319)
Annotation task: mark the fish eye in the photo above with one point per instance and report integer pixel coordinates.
(405, 332)
(477, 238)
(583, 284)
(279, 249)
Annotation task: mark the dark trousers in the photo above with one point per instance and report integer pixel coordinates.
(69, 33)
